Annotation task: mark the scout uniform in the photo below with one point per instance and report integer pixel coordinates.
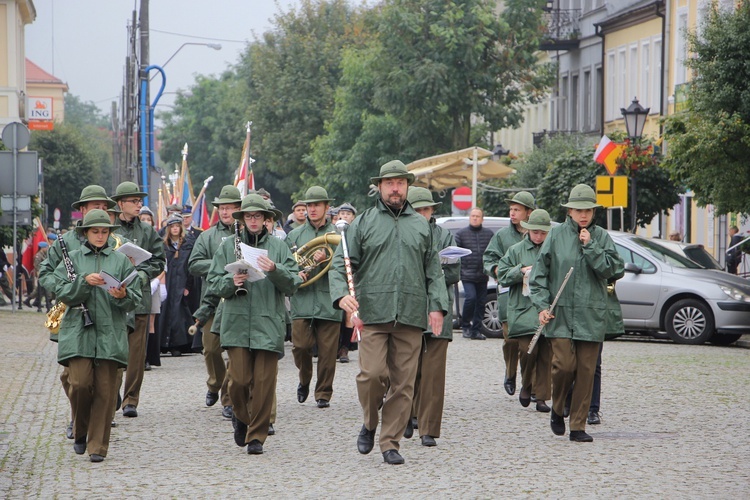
(94, 353)
(314, 319)
(500, 243)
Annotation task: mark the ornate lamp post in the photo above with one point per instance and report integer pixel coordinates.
(635, 119)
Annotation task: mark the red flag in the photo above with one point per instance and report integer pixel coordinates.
(214, 217)
(27, 258)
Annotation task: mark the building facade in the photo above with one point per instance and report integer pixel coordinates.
(14, 15)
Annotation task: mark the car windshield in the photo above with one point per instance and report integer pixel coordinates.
(702, 257)
(665, 255)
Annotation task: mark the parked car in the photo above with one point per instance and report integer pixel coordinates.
(693, 251)
(663, 290)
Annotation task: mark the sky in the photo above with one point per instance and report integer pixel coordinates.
(84, 42)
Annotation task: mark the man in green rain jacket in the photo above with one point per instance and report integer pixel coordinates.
(579, 322)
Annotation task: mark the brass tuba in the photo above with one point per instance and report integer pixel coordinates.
(304, 256)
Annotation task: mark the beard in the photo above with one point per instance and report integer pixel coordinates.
(395, 200)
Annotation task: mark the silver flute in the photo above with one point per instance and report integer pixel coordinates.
(538, 332)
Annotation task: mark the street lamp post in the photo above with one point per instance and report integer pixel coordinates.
(635, 119)
(215, 46)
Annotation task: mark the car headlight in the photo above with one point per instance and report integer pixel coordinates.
(734, 293)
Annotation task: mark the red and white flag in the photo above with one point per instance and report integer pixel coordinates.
(607, 153)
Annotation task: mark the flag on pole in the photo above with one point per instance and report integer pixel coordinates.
(27, 258)
(607, 153)
(186, 196)
(201, 219)
(244, 178)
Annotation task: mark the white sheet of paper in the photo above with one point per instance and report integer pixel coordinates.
(253, 273)
(112, 282)
(251, 254)
(137, 253)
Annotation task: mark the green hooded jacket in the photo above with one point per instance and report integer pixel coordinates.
(257, 319)
(499, 244)
(397, 274)
(523, 318)
(199, 263)
(107, 338)
(313, 301)
(581, 312)
(442, 238)
(146, 237)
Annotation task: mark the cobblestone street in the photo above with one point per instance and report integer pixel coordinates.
(675, 424)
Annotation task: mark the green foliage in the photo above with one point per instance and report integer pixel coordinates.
(708, 142)
(70, 162)
(79, 113)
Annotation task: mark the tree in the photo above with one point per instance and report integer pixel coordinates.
(96, 128)
(80, 113)
(708, 142)
(69, 163)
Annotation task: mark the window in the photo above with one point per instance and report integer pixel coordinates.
(574, 102)
(634, 72)
(646, 83)
(586, 117)
(633, 258)
(622, 79)
(657, 77)
(563, 105)
(609, 92)
(598, 98)
(680, 53)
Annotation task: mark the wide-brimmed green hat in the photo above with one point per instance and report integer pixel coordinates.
(95, 218)
(316, 194)
(128, 188)
(522, 198)
(229, 194)
(394, 168)
(253, 203)
(538, 221)
(419, 197)
(277, 215)
(93, 193)
(582, 197)
(116, 210)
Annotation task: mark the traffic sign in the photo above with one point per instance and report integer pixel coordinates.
(462, 198)
(612, 191)
(15, 135)
(27, 175)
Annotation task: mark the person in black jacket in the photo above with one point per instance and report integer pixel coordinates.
(475, 238)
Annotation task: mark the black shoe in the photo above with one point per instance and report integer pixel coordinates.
(594, 418)
(255, 447)
(211, 398)
(240, 432)
(414, 422)
(428, 441)
(96, 458)
(478, 336)
(541, 406)
(129, 411)
(466, 333)
(510, 385)
(113, 424)
(392, 457)
(38, 309)
(525, 401)
(322, 403)
(409, 431)
(365, 440)
(147, 367)
(566, 411)
(271, 430)
(302, 392)
(557, 423)
(27, 302)
(580, 437)
(69, 431)
(227, 412)
(79, 446)
(176, 353)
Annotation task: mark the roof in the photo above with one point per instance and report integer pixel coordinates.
(456, 169)
(35, 74)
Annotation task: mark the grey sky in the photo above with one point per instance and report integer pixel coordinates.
(84, 42)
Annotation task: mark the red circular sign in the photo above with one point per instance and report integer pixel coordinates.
(462, 198)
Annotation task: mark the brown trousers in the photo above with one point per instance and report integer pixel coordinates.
(252, 388)
(64, 376)
(305, 334)
(92, 395)
(429, 388)
(536, 368)
(136, 361)
(388, 353)
(573, 360)
(510, 353)
(218, 380)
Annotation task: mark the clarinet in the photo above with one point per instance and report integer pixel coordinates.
(240, 291)
(87, 321)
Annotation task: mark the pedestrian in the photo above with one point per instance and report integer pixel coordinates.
(191, 232)
(130, 200)
(579, 322)
(92, 197)
(5, 287)
(397, 278)
(314, 319)
(297, 217)
(519, 210)
(41, 292)
(93, 353)
(175, 317)
(252, 320)
(513, 271)
(205, 248)
(734, 256)
(675, 236)
(475, 237)
(429, 386)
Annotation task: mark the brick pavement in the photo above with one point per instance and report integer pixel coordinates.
(674, 425)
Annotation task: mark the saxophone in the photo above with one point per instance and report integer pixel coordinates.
(240, 291)
(55, 316)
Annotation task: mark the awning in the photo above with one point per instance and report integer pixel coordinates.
(455, 169)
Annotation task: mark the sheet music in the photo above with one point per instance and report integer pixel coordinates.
(452, 254)
(112, 282)
(253, 273)
(137, 253)
(251, 254)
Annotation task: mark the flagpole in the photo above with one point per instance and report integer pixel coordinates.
(246, 159)
(202, 193)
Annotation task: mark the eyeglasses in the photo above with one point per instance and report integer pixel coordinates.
(253, 216)
(134, 201)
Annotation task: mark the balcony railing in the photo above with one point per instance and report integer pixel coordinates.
(562, 29)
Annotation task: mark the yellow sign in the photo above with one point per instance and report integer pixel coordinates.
(612, 191)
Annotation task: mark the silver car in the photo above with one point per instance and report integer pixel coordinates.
(662, 290)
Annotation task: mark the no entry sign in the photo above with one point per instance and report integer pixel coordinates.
(462, 198)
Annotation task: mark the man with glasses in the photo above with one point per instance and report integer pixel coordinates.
(130, 200)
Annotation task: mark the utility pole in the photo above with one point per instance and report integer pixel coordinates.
(144, 59)
(116, 150)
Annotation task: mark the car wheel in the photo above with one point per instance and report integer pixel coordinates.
(726, 339)
(491, 323)
(689, 321)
